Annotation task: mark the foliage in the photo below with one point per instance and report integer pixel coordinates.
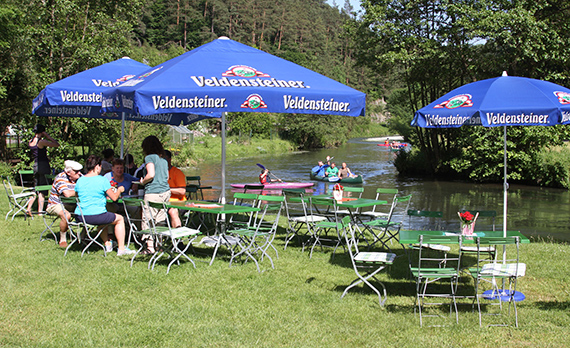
(258, 124)
(210, 148)
(434, 47)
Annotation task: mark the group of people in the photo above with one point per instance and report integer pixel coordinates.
(108, 177)
(330, 170)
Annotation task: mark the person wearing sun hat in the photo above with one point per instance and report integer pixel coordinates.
(63, 186)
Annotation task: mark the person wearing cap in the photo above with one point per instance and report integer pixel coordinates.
(38, 149)
(63, 186)
(177, 183)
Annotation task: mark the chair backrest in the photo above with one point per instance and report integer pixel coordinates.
(389, 193)
(354, 190)
(130, 205)
(257, 188)
(26, 177)
(269, 205)
(489, 214)
(509, 256)
(350, 238)
(428, 259)
(289, 206)
(399, 208)
(431, 220)
(194, 178)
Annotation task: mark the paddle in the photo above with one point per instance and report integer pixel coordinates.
(262, 167)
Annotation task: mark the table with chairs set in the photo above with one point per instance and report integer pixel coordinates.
(370, 232)
(433, 256)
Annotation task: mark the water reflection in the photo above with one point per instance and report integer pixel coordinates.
(532, 210)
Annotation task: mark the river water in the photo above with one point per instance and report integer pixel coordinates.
(534, 211)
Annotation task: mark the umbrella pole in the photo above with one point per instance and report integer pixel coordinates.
(505, 188)
(122, 133)
(223, 193)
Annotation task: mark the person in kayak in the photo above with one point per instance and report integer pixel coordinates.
(332, 171)
(320, 168)
(265, 179)
(344, 172)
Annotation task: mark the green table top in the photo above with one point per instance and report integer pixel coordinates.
(212, 208)
(354, 203)
(411, 237)
(42, 188)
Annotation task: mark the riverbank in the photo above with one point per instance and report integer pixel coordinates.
(52, 301)
(210, 149)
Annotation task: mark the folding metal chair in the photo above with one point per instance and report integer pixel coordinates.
(328, 231)
(133, 210)
(388, 228)
(430, 221)
(18, 202)
(370, 262)
(260, 235)
(296, 213)
(374, 214)
(90, 234)
(170, 241)
(491, 277)
(427, 271)
(194, 186)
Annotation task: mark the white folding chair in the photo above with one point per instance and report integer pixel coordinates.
(370, 262)
(17, 201)
(491, 276)
(171, 240)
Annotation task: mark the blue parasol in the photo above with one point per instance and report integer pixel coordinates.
(499, 102)
(227, 76)
(79, 95)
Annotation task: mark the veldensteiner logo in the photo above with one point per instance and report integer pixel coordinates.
(93, 97)
(246, 76)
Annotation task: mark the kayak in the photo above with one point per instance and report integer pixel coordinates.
(354, 180)
(276, 185)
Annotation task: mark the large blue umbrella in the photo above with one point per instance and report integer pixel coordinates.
(501, 101)
(79, 95)
(227, 76)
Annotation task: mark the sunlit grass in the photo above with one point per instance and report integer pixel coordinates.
(52, 301)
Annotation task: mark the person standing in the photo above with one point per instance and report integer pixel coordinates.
(38, 148)
(177, 183)
(155, 181)
(107, 162)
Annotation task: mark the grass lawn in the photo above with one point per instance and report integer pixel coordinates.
(49, 300)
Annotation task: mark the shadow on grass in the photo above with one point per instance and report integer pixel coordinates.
(553, 305)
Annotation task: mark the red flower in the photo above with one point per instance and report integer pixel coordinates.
(466, 217)
(338, 187)
(114, 183)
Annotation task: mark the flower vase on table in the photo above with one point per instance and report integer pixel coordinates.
(338, 189)
(467, 222)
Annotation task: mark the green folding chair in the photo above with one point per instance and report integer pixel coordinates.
(427, 270)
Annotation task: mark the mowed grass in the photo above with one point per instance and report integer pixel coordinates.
(49, 300)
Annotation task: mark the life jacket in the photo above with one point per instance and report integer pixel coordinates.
(264, 180)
